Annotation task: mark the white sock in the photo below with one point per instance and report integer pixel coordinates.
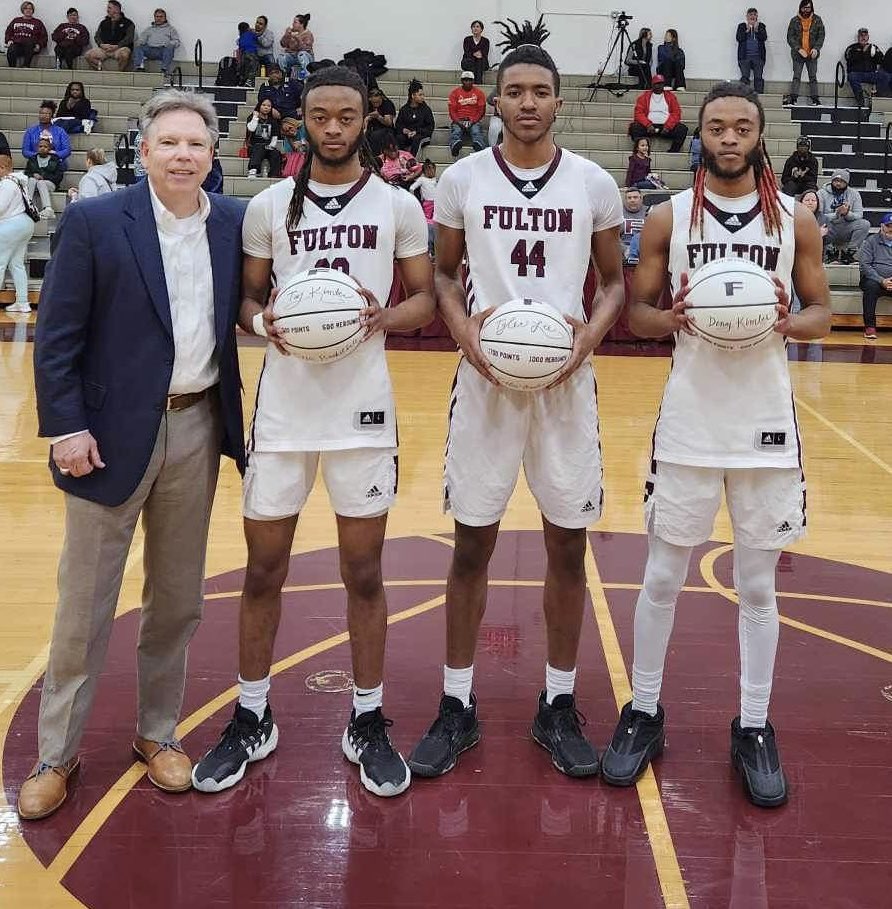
(253, 695)
(365, 700)
(757, 629)
(457, 683)
(557, 681)
(667, 567)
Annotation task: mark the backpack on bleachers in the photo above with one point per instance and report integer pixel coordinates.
(227, 72)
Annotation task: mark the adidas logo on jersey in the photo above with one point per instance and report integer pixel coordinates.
(588, 507)
(529, 188)
(332, 204)
(784, 528)
(733, 221)
(373, 493)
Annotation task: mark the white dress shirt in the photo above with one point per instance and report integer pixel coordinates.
(186, 257)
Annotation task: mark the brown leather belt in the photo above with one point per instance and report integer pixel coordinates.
(184, 401)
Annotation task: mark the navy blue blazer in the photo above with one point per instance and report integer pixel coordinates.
(104, 350)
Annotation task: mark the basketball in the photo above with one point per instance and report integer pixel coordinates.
(732, 303)
(318, 311)
(526, 343)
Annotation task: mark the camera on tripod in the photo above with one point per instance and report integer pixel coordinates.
(622, 19)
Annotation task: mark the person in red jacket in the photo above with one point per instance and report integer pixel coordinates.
(25, 37)
(658, 113)
(467, 105)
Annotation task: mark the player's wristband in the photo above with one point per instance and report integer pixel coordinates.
(258, 326)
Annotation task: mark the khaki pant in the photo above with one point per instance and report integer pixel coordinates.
(96, 56)
(174, 498)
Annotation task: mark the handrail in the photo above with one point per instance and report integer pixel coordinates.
(199, 62)
(176, 75)
(839, 82)
(887, 184)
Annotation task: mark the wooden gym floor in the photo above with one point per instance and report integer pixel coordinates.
(503, 829)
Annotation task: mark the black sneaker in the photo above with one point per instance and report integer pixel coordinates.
(454, 730)
(638, 739)
(754, 755)
(816, 101)
(455, 149)
(245, 740)
(382, 769)
(790, 100)
(557, 727)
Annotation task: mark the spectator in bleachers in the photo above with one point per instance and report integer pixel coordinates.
(800, 169)
(247, 52)
(751, 38)
(157, 42)
(634, 214)
(46, 129)
(74, 113)
(887, 64)
(696, 152)
(812, 202)
(297, 42)
(5, 150)
(44, 172)
(475, 51)
(25, 37)
(284, 93)
(425, 187)
(293, 145)
(266, 41)
(494, 130)
(415, 121)
(16, 229)
(380, 120)
(864, 64)
(658, 113)
(875, 260)
(398, 167)
(100, 178)
(805, 35)
(467, 105)
(639, 162)
(71, 40)
(844, 211)
(262, 137)
(671, 61)
(114, 39)
(640, 56)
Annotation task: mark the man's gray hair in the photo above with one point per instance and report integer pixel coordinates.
(171, 99)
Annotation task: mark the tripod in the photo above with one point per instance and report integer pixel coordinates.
(623, 42)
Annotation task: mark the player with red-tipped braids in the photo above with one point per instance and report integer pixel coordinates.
(727, 422)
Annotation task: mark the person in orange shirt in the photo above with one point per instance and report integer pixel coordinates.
(805, 35)
(467, 105)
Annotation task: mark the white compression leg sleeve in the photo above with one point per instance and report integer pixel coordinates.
(757, 630)
(667, 567)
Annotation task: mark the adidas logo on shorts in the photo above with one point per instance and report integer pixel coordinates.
(784, 528)
(373, 493)
(588, 507)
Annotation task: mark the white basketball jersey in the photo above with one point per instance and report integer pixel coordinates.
(359, 229)
(726, 408)
(528, 233)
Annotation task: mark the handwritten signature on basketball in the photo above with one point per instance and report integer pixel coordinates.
(314, 294)
(534, 324)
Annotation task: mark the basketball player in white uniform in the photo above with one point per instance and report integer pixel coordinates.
(336, 213)
(530, 217)
(727, 422)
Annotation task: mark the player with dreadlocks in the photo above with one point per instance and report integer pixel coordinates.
(727, 422)
(336, 213)
(531, 217)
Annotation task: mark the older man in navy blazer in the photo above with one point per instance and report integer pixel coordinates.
(138, 390)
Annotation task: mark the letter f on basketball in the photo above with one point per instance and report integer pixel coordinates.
(731, 286)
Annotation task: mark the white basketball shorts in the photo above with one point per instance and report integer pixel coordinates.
(766, 504)
(553, 433)
(361, 482)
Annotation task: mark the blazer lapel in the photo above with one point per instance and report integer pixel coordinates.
(142, 234)
(224, 242)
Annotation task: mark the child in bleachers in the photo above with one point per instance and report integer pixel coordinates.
(247, 52)
(425, 187)
(44, 172)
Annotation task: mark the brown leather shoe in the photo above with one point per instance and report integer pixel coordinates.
(169, 767)
(45, 790)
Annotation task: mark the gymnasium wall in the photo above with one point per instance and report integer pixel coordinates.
(428, 33)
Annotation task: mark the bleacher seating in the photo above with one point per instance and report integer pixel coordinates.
(595, 129)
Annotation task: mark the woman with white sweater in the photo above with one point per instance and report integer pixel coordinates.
(16, 229)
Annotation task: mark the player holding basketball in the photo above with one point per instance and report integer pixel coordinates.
(530, 217)
(338, 213)
(726, 421)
